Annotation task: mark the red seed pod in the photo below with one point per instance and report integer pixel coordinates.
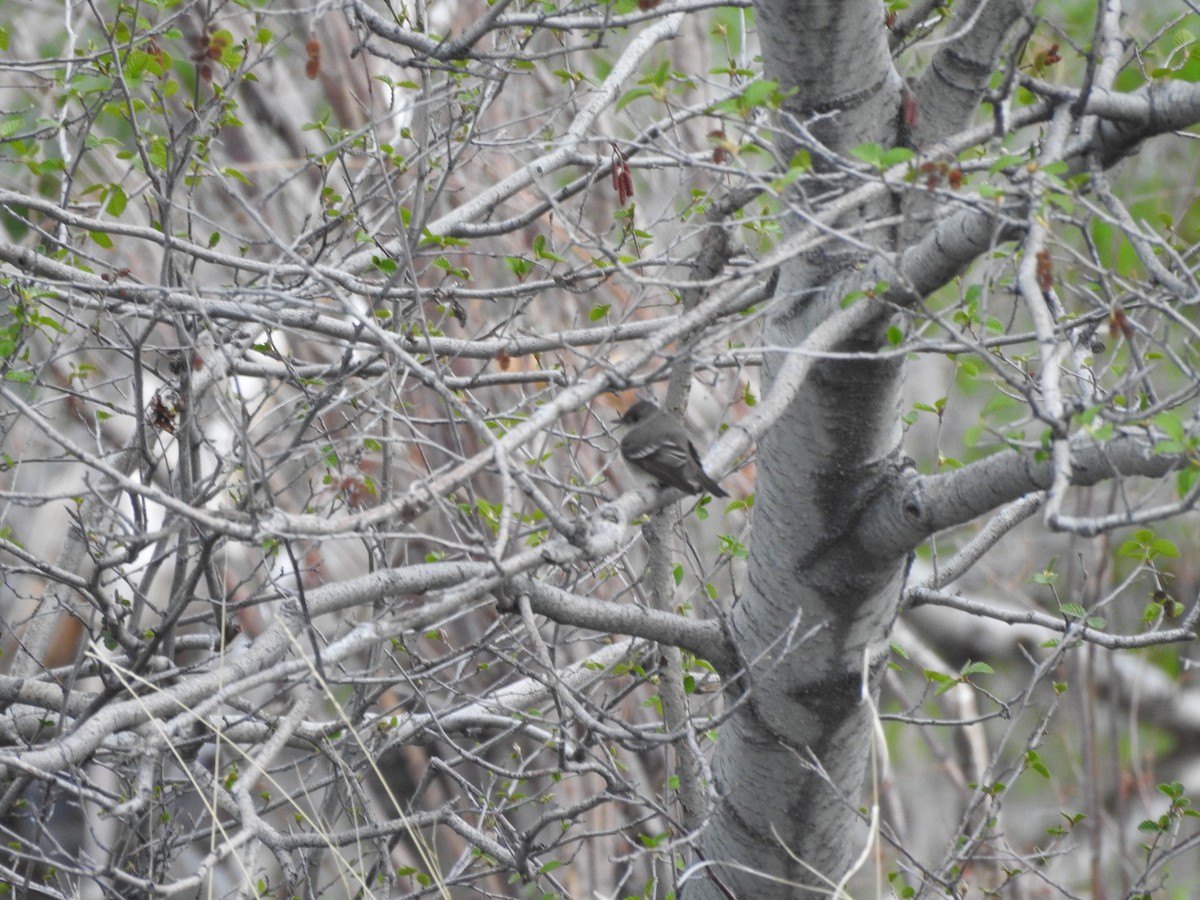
(626, 190)
(720, 153)
(1045, 271)
(622, 176)
(908, 109)
(1118, 324)
(161, 416)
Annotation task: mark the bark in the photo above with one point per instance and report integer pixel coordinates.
(837, 510)
(791, 761)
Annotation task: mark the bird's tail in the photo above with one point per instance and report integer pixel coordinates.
(711, 486)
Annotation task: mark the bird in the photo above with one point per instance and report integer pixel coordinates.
(659, 445)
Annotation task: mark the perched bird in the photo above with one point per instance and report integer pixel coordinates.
(659, 446)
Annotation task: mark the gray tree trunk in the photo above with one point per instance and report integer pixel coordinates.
(790, 764)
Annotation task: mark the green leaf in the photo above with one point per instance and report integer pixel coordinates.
(871, 154)
(519, 266)
(384, 265)
(853, 297)
(733, 547)
(157, 153)
(880, 157)
(1046, 576)
(634, 94)
(759, 93)
(1005, 162)
(1146, 546)
(1033, 761)
(1185, 480)
(977, 668)
(539, 249)
(117, 201)
(895, 156)
(1171, 423)
(1173, 789)
(237, 174)
(1189, 72)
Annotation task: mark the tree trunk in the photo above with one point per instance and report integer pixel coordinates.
(790, 764)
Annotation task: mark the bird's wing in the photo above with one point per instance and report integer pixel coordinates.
(668, 464)
(668, 454)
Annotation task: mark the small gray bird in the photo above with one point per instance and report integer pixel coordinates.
(660, 447)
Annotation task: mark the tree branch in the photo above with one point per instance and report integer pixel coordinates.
(704, 637)
(922, 505)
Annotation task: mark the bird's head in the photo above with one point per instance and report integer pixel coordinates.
(639, 412)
